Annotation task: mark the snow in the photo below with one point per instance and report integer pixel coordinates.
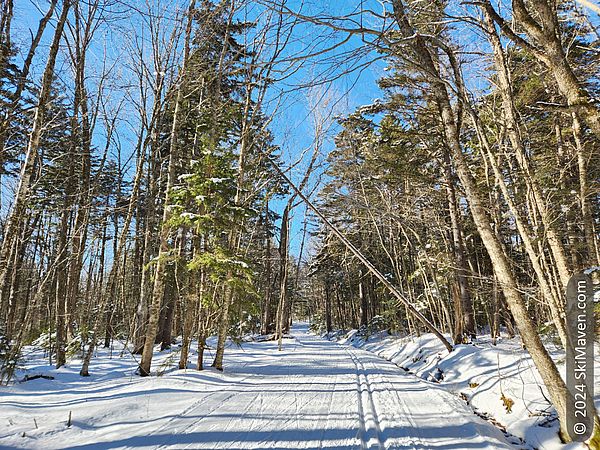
(313, 394)
(481, 374)
(238, 262)
(189, 215)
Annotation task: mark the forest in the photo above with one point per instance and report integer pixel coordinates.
(182, 177)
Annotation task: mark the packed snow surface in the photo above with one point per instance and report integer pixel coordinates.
(486, 375)
(313, 394)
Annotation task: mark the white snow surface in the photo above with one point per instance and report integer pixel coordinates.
(481, 373)
(313, 394)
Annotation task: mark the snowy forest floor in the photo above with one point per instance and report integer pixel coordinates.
(313, 394)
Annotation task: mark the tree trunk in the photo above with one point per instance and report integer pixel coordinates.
(364, 305)
(283, 276)
(591, 244)
(267, 313)
(328, 324)
(223, 327)
(168, 311)
(465, 321)
(60, 289)
(546, 46)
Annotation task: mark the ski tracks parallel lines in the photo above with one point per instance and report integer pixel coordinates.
(369, 425)
(413, 440)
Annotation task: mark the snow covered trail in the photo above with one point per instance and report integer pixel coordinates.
(313, 394)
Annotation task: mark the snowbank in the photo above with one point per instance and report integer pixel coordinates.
(500, 382)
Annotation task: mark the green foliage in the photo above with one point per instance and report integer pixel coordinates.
(77, 343)
(222, 266)
(47, 340)
(56, 148)
(14, 133)
(10, 358)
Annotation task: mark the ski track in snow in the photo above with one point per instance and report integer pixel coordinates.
(313, 394)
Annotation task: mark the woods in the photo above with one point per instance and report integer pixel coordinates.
(172, 171)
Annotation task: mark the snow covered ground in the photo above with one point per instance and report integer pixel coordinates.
(313, 394)
(481, 375)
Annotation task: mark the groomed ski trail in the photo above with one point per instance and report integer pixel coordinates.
(318, 394)
(313, 394)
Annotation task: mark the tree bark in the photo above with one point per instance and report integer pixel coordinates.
(591, 243)
(505, 87)
(465, 320)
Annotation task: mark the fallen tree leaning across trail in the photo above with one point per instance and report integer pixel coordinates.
(363, 259)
